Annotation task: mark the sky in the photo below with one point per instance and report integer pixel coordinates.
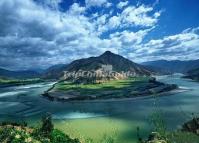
(36, 34)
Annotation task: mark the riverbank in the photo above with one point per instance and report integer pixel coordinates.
(111, 91)
(17, 82)
(193, 78)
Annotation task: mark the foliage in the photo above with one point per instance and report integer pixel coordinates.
(182, 137)
(23, 123)
(47, 125)
(171, 136)
(158, 123)
(16, 133)
(89, 140)
(59, 137)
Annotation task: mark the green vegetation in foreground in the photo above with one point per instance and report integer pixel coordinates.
(103, 130)
(20, 133)
(109, 130)
(4, 81)
(162, 135)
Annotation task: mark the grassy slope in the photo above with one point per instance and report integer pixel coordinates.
(98, 89)
(183, 137)
(113, 84)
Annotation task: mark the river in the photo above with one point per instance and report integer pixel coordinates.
(26, 102)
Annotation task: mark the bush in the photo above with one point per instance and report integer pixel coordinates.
(16, 133)
(23, 123)
(13, 135)
(57, 137)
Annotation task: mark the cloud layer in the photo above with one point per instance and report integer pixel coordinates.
(183, 46)
(38, 35)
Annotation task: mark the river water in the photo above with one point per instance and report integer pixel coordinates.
(26, 102)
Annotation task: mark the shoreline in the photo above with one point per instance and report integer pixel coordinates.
(7, 85)
(20, 83)
(191, 79)
(95, 100)
(176, 91)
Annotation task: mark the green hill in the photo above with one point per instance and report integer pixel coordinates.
(117, 62)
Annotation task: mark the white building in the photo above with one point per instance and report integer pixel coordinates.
(107, 68)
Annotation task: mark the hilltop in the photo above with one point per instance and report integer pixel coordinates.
(174, 66)
(117, 62)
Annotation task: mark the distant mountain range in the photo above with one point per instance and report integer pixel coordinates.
(4, 73)
(118, 63)
(175, 66)
(193, 74)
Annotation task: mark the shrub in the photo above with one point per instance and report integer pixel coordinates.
(18, 133)
(58, 136)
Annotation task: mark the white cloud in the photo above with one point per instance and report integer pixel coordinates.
(76, 9)
(130, 38)
(28, 21)
(48, 35)
(171, 47)
(139, 16)
(91, 3)
(108, 4)
(122, 4)
(52, 4)
(114, 22)
(35, 35)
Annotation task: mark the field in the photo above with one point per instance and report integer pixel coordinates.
(112, 84)
(110, 89)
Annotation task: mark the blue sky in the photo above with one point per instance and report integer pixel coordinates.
(37, 34)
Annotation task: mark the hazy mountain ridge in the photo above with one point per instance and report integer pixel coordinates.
(54, 71)
(4, 73)
(119, 63)
(175, 66)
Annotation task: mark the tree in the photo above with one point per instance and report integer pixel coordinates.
(47, 125)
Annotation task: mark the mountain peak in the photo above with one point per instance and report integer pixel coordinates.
(107, 52)
(118, 63)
